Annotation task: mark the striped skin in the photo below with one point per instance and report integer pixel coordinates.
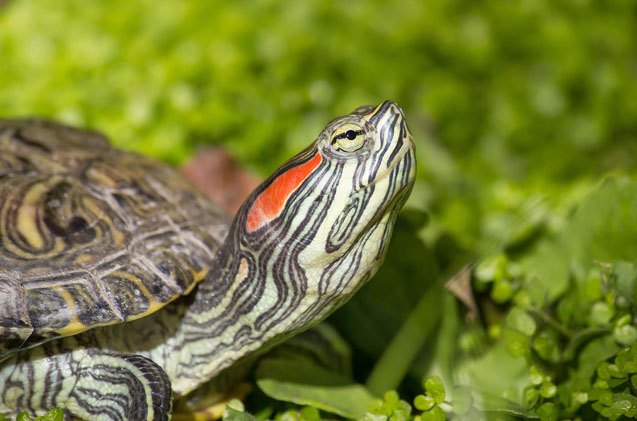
(88, 383)
(301, 245)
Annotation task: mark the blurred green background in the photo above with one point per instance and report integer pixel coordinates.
(528, 92)
(519, 109)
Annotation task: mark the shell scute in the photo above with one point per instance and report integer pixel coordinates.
(48, 308)
(128, 296)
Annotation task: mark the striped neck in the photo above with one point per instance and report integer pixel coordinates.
(311, 234)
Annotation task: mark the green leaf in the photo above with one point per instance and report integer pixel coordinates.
(548, 412)
(310, 413)
(445, 352)
(521, 321)
(391, 407)
(531, 396)
(548, 390)
(517, 342)
(623, 280)
(626, 359)
(56, 414)
(502, 291)
(492, 268)
(596, 351)
(305, 383)
(546, 272)
(435, 414)
(496, 375)
(625, 335)
(546, 345)
(489, 403)
(624, 403)
(603, 371)
(392, 366)
(435, 388)
(424, 402)
(234, 411)
(462, 400)
(601, 313)
(605, 226)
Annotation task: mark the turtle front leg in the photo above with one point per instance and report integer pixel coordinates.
(87, 383)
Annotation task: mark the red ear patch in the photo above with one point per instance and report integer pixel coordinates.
(272, 200)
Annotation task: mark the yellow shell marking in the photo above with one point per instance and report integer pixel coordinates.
(27, 220)
(74, 325)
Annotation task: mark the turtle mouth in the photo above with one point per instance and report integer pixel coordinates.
(397, 181)
(399, 156)
(405, 153)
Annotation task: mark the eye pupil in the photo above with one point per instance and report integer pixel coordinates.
(350, 134)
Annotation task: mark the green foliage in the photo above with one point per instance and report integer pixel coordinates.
(613, 392)
(235, 411)
(391, 408)
(524, 115)
(304, 383)
(429, 402)
(55, 414)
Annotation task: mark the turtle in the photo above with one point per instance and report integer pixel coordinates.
(122, 287)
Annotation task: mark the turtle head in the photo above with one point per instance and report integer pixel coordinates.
(370, 155)
(316, 229)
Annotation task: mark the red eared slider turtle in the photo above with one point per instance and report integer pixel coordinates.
(121, 286)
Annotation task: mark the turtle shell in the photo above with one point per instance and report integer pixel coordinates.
(91, 235)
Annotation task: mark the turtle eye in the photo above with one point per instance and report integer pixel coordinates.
(349, 138)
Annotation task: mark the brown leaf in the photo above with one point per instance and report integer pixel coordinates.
(460, 286)
(216, 174)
